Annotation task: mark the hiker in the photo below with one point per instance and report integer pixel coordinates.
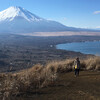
(77, 66)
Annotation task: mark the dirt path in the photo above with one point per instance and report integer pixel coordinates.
(69, 87)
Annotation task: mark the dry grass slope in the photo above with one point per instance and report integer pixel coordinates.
(40, 76)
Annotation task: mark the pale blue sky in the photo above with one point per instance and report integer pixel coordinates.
(75, 13)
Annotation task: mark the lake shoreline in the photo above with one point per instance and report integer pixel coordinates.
(69, 47)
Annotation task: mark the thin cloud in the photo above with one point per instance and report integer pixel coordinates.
(98, 27)
(96, 12)
(64, 18)
(50, 19)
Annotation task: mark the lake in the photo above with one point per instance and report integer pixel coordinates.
(87, 47)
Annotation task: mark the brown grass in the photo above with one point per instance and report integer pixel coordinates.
(40, 76)
(93, 63)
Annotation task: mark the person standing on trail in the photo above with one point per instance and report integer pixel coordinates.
(77, 66)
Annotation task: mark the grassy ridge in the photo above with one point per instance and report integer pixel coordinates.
(39, 76)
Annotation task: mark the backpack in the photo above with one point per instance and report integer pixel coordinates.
(75, 66)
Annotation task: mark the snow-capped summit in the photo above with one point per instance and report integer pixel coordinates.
(18, 12)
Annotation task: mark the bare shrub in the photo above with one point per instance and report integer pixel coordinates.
(93, 63)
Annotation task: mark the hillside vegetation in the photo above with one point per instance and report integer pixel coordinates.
(40, 78)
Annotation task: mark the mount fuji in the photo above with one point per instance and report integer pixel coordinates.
(19, 20)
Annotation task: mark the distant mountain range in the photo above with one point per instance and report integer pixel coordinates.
(18, 20)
